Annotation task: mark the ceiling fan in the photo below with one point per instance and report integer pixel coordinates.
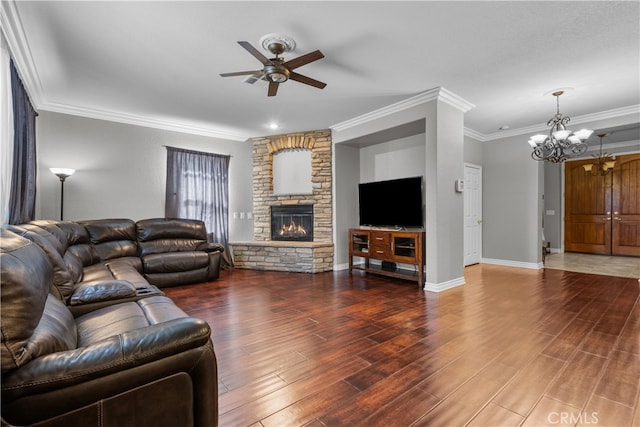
(277, 70)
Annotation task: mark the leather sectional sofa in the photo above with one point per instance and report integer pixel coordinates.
(89, 338)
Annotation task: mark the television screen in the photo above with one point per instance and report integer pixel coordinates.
(393, 203)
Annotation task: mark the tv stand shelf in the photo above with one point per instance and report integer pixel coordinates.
(391, 247)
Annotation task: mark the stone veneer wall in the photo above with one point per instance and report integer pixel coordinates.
(262, 253)
(319, 142)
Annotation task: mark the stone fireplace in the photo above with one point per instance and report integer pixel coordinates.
(310, 254)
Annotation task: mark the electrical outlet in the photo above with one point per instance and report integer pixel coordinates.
(241, 215)
(249, 215)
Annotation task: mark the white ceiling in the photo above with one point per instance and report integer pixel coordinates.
(158, 62)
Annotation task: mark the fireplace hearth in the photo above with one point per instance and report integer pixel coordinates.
(292, 223)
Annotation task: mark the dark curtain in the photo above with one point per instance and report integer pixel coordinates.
(22, 201)
(198, 188)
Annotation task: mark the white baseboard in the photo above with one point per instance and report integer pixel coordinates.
(509, 263)
(439, 287)
(338, 267)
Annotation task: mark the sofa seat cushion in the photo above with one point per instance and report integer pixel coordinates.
(174, 262)
(127, 268)
(117, 319)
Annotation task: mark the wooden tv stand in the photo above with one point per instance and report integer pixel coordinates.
(391, 247)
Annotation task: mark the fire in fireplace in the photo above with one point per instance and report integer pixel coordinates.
(292, 223)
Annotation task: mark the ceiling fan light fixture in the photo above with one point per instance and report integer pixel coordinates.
(278, 77)
(278, 70)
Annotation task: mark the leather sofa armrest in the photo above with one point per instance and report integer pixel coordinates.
(97, 291)
(210, 247)
(120, 352)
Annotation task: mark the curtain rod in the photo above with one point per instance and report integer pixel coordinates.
(186, 150)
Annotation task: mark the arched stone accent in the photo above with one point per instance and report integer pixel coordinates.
(290, 142)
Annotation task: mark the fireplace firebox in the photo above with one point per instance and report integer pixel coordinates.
(292, 223)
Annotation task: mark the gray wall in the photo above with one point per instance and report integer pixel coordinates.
(553, 201)
(401, 158)
(512, 188)
(346, 165)
(121, 169)
(472, 151)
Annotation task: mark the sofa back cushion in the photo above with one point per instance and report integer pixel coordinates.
(161, 235)
(112, 238)
(33, 322)
(80, 252)
(63, 280)
(52, 227)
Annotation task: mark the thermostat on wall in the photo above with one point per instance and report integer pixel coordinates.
(459, 185)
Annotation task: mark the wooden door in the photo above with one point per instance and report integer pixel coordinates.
(587, 210)
(625, 210)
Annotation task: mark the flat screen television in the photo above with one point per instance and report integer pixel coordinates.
(392, 203)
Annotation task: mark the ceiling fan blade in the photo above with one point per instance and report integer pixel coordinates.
(303, 60)
(255, 52)
(273, 88)
(243, 73)
(306, 80)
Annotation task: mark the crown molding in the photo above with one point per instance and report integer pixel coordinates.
(20, 52)
(603, 115)
(143, 121)
(437, 93)
(474, 134)
(615, 146)
(23, 59)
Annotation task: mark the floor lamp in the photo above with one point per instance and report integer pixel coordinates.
(62, 173)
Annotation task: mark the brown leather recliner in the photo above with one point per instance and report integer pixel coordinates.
(142, 362)
(175, 251)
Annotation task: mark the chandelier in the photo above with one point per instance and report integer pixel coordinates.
(561, 143)
(604, 161)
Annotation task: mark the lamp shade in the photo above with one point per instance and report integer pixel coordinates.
(538, 139)
(62, 172)
(583, 134)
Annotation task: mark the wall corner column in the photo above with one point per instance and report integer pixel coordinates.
(444, 206)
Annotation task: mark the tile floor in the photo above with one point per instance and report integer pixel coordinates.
(618, 266)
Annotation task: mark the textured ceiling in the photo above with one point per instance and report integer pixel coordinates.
(159, 61)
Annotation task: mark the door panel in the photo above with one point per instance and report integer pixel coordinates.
(587, 201)
(626, 206)
(472, 214)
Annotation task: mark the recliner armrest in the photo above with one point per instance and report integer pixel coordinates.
(210, 247)
(114, 354)
(97, 291)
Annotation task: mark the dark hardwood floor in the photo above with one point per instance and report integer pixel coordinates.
(511, 347)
